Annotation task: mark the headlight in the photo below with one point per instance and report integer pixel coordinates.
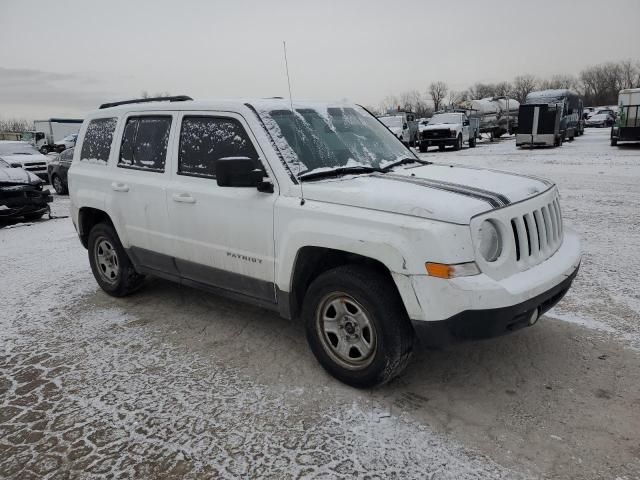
(489, 244)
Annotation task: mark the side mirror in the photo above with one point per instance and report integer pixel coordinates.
(465, 123)
(241, 172)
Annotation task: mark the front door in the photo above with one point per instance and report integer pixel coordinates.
(222, 236)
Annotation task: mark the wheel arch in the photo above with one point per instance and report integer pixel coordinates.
(88, 217)
(312, 261)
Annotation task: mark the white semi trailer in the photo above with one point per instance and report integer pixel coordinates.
(497, 115)
(47, 132)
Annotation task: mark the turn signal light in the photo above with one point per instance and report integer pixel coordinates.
(444, 270)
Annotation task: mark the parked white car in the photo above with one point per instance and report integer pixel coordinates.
(67, 142)
(24, 155)
(449, 129)
(323, 216)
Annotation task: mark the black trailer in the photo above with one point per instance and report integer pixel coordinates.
(571, 121)
(539, 125)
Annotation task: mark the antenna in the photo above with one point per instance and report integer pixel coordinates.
(293, 114)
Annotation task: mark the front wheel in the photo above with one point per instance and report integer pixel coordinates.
(109, 262)
(614, 142)
(458, 144)
(357, 326)
(44, 150)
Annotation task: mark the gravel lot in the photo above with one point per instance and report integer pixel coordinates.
(176, 383)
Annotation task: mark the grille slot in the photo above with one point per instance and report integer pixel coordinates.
(537, 234)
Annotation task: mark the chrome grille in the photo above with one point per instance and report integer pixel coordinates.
(537, 234)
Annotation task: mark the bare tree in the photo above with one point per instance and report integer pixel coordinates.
(390, 102)
(503, 89)
(559, 81)
(438, 92)
(17, 125)
(481, 90)
(523, 85)
(455, 97)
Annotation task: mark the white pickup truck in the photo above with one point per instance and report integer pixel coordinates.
(449, 129)
(324, 216)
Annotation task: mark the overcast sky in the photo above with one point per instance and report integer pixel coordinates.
(65, 57)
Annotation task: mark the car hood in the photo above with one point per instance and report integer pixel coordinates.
(440, 126)
(18, 176)
(22, 159)
(447, 193)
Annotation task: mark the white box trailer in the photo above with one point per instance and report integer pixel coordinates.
(627, 125)
(47, 132)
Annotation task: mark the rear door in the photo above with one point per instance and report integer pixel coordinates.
(223, 236)
(138, 186)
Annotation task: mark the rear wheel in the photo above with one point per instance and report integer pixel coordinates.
(357, 326)
(472, 142)
(109, 262)
(441, 148)
(422, 147)
(58, 185)
(614, 142)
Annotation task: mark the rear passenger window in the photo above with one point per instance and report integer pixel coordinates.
(97, 140)
(203, 140)
(144, 143)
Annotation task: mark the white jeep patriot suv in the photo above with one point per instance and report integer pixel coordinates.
(322, 214)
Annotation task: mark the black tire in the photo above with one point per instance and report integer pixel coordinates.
(614, 142)
(422, 148)
(472, 142)
(126, 280)
(441, 148)
(458, 144)
(58, 185)
(390, 328)
(44, 150)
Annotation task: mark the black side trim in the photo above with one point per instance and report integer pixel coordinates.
(496, 200)
(475, 324)
(201, 276)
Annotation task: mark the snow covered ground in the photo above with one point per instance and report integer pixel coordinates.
(175, 383)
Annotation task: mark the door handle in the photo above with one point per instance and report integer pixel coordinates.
(120, 187)
(183, 198)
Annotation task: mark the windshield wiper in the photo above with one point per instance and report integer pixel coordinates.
(335, 172)
(404, 161)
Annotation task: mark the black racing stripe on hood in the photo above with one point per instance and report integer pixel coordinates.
(496, 200)
(545, 181)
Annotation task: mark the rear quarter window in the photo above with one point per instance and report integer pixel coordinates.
(144, 143)
(96, 145)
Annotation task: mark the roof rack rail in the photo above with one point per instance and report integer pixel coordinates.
(176, 98)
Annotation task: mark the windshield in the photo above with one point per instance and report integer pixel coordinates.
(27, 136)
(17, 148)
(445, 118)
(395, 121)
(327, 138)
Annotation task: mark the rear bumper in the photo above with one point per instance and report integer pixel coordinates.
(535, 139)
(492, 322)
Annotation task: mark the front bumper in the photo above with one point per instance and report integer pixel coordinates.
(437, 300)
(23, 201)
(491, 322)
(434, 142)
